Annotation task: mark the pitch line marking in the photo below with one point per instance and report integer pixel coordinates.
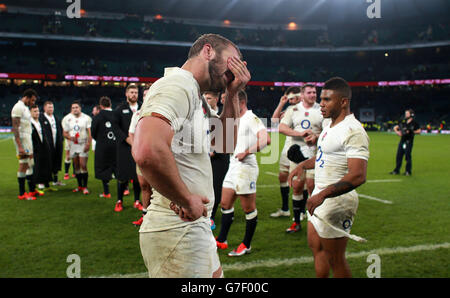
(242, 266)
(5, 139)
(367, 181)
(374, 199)
(383, 180)
(304, 260)
(272, 173)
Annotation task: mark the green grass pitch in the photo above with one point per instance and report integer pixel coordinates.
(411, 235)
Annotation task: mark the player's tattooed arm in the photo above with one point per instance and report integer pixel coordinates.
(333, 190)
(357, 171)
(341, 187)
(15, 130)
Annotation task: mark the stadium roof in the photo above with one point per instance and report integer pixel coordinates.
(263, 11)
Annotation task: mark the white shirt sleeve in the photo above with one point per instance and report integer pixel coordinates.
(170, 101)
(17, 111)
(134, 121)
(287, 118)
(65, 124)
(356, 144)
(256, 124)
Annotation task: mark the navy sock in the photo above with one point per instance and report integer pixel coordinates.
(250, 227)
(227, 220)
(284, 197)
(21, 185)
(296, 207)
(105, 186)
(31, 185)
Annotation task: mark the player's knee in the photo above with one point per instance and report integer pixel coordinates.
(283, 177)
(297, 186)
(225, 204)
(335, 259)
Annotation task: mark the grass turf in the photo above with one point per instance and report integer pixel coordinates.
(38, 236)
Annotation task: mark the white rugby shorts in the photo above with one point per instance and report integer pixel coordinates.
(241, 178)
(338, 212)
(186, 252)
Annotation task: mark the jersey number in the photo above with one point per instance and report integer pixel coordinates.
(319, 159)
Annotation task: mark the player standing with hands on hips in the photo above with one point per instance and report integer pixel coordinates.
(340, 166)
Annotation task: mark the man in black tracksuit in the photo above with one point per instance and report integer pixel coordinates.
(406, 129)
(42, 170)
(126, 166)
(105, 148)
(52, 129)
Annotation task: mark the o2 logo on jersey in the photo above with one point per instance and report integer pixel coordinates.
(319, 159)
(76, 127)
(305, 124)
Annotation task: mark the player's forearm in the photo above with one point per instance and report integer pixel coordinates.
(260, 144)
(17, 137)
(277, 113)
(67, 136)
(284, 129)
(348, 183)
(157, 164)
(15, 130)
(308, 164)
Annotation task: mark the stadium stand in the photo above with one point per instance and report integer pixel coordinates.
(38, 40)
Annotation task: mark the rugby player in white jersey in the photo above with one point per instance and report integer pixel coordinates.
(240, 180)
(77, 132)
(303, 120)
(21, 128)
(171, 147)
(292, 95)
(340, 167)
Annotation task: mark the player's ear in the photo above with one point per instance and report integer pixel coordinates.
(208, 52)
(345, 102)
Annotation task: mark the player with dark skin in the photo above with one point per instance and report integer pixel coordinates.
(330, 252)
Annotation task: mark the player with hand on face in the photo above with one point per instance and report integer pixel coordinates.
(340, 166)
(171, 147)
